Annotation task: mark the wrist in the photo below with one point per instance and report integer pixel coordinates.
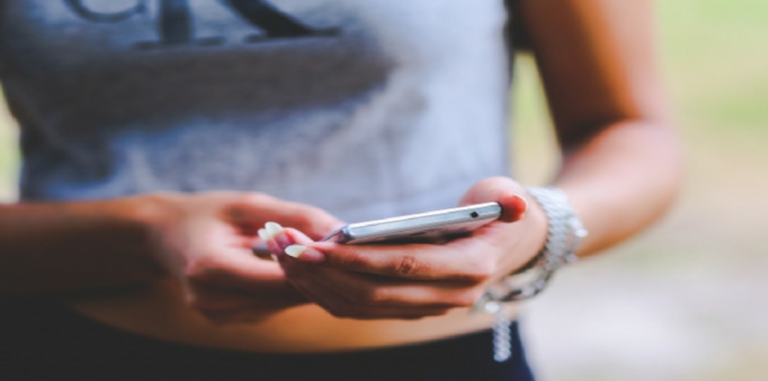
(64, 246)
(158, 216)
(148, 212)
(523, 240)
(144, 220)
(564, 232)
(536, 233)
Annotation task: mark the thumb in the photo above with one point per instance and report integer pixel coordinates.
(507, 192)
(254, 212)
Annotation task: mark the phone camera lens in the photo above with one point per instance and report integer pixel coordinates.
(474, 215)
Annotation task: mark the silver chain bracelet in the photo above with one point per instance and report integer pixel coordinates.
(563, 238)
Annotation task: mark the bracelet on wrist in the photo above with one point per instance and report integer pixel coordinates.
(564, 234)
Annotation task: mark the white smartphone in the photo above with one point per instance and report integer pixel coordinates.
(430, 227)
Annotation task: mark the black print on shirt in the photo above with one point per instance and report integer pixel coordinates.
(175, 21)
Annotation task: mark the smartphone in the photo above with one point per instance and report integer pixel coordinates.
(431, 227)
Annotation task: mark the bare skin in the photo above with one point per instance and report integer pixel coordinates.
(198, 284)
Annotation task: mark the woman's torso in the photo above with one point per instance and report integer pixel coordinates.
(333, 103)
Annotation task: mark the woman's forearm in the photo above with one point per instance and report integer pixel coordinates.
(622, 180)
(599, 66)
(55, 247)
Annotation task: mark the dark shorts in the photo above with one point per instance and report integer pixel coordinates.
(41, 341)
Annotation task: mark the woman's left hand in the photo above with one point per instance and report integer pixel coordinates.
(412, 281)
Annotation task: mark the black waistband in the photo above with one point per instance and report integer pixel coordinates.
(43, 338)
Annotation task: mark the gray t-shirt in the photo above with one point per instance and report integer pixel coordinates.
(366, 108)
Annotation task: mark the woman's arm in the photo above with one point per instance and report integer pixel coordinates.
(621, 159)
(59, 247)
(203, 240)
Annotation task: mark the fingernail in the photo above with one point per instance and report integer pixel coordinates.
(264, 235)
(525, 205)
(304, 253)
(295, 250)
(273, 228)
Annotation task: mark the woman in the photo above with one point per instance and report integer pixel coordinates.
(159, 137)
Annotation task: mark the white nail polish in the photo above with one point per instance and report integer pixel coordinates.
(295, 250)
(264, 235)
(273, 228)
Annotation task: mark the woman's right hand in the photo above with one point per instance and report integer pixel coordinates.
(205, 240)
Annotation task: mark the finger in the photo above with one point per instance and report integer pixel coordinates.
(276, 238)
(338, 306)
(237, 269)
(318, 293)
(255, 210)
(367, 290)
(342, 308)
(293, 245)
(273, 245)
(469, 260)
(297, 237)
(505, 191)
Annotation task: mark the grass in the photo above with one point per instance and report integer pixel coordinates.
(716, 62)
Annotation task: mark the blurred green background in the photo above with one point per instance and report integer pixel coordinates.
(688, 300)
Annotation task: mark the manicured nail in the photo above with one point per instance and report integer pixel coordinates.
(514, 203)
(264, 235)
(304, 253)
(525, 205)
(295, 250)
(273, 228)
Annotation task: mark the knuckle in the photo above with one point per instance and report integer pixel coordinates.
(407, 265)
